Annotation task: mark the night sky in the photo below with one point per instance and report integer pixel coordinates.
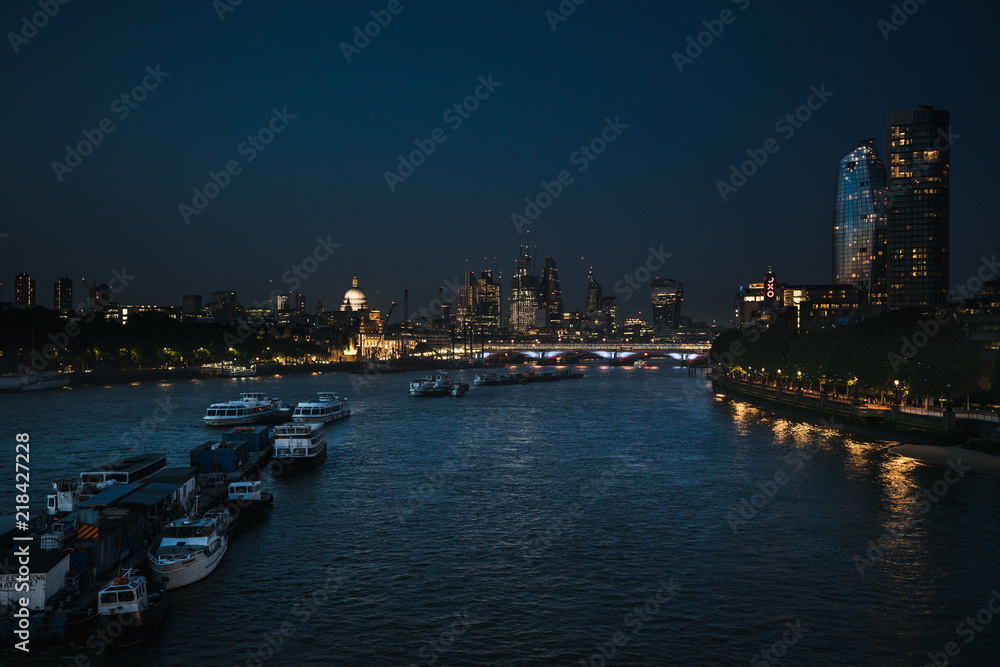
(553, 91)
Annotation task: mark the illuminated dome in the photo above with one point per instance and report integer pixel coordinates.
(355, 298)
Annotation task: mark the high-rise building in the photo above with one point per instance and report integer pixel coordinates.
(667, 296)
(300, 303)
(63, 294)
(191, 305)
(919, 159)
(24, 290)
(551, 293)
(609, 315)
(468, 298)
(860, 223)
(525, 295)
(593, 295)
(283, 301)
(479, 301)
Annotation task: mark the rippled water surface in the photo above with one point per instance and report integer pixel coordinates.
(628, 518)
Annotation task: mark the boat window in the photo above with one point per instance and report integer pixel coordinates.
(109, 598)
(126, 596)
(178, 532)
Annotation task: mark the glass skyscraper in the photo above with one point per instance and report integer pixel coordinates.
(667, 296)
(919, 157)
(593, 295)
(551, 293)
(860, 223)
(525, 295)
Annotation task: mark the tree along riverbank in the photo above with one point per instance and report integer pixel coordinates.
(870, 420)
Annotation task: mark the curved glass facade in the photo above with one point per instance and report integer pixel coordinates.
(860, 224)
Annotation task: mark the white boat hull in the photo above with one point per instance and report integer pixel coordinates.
(181, 573)
(33, 382)
(236, 421)
(326, 419)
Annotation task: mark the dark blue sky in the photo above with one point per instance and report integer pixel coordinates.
(323, 174)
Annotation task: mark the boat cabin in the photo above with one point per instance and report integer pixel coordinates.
(123, 595)
(65, 498)
(187, 532)
(123, 471)
(249, 490)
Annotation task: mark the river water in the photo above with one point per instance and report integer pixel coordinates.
(628, 518)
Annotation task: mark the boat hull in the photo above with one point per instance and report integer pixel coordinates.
(182, 573)
(236, 421)
(297, 462)
(325, 420)
(251, 509)
(135, 627)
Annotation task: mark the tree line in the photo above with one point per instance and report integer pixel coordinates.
(924, 355)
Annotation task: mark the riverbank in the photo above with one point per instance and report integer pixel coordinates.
(875, 421)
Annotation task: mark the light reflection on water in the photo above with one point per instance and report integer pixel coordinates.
(626, 477)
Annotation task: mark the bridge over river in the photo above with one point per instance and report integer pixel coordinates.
(555, 353)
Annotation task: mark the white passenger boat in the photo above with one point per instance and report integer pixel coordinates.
(190, 549)
(135, 605)
(300, 444)
(327, 407)
(252, 407)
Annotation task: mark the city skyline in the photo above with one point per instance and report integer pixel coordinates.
(622, 144)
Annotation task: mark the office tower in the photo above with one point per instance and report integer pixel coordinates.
(860, 224)
(551, 293)
(593, 295)
(525, 295)
(300, 303)
(489, 314)
(609, 315)
(667, 296)
(283, 302)
(191, 305)
(63, 294)
(479, 301)
(468, 298)
(919, 157)
(24, 290)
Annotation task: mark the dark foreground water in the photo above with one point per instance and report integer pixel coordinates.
(628, 518)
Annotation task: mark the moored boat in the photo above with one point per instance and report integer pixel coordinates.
(190, 549)
(497, 379)
(251, 407)
(437, 385)
(34, 381)
(137, 606)
(248, 500)
(327, 407)
(300, 444)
